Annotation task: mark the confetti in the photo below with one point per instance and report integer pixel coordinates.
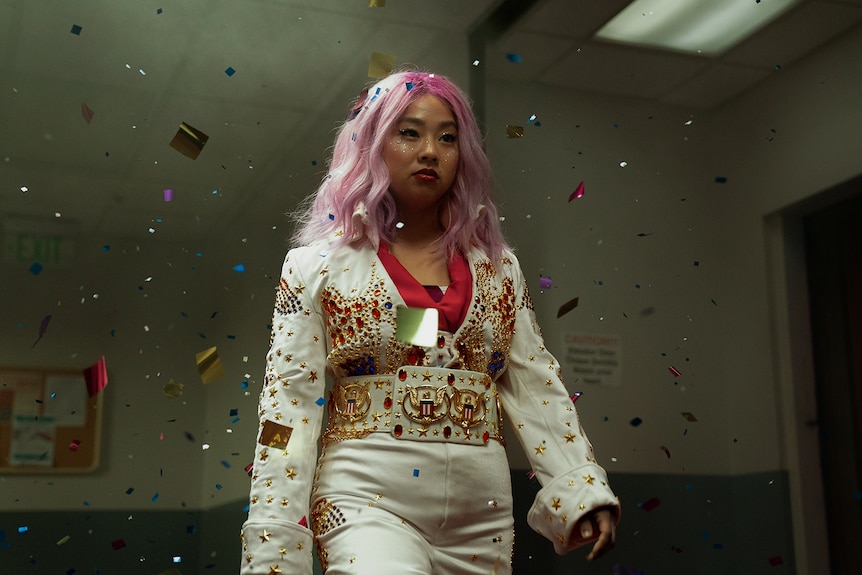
(666, 451)
(169, 195)
(376, 3)
(567, 307)
(43, 327)
(155, 497)
(173, 389)
(636, 422)
(303, 521)
(544, 282)
(209, 365)
(64, 539)
(578, 193)
(23, 529)
(650, 504)
(576, 396)
(118, 544)
(76, 30)
(514, 132)
(96, 377)
(775, 560)
(720, 180)
(275, 435)
(35, 268)
(239, 268)
(86, 112)
(512, 57)
(415, 473)
(674, 371)
(74, 444)
(689, 416)
(417, 326)
(230, 71)
(189, 141)
(621, 570)
(380, 65)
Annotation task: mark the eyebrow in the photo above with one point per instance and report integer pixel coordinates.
(442, 125)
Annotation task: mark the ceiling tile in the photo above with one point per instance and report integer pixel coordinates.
(713, 86)
(571, 18)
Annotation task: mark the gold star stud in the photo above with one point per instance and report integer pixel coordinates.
(569, 437)
(540, 450)
(589, 479)
(556, 505)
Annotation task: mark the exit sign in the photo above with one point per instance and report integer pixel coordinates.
(49, 243)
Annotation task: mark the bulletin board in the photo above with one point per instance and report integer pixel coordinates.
(48, 422)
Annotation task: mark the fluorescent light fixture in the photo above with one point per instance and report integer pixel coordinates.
(698, 26)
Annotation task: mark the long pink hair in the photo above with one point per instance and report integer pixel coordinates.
(353, 205)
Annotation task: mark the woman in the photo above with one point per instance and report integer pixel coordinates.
(412, 477)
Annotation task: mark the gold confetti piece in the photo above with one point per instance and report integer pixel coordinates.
(275, 435)
(514, 131)
(63, 540)
(173, 389)
(209, 365)
(380, 65)
(189, 141)
(376, 3)
(567, 307)
(417, 326)
(689, 416)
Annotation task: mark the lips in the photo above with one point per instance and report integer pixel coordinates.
(426, 174)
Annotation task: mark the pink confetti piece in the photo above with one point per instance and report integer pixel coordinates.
(73, 446)
(544, 282)
(96, 377)
(43, 327)
(651, 504)
(576, 396)
(118, 544)
(674, 371)
(776, 560)
(86, 112)
(666, 451)
(303, 521)
(578, 193)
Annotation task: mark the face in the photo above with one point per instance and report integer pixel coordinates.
(422, 156)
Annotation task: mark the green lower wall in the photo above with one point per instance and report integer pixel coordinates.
(703, 525)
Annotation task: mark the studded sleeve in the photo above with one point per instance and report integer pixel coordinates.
(547, 425)
(276, 537)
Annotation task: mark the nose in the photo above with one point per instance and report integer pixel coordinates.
(428, 150)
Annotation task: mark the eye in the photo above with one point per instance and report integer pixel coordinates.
(408, 133)
(449, 138)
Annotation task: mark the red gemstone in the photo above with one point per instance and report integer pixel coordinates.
(451, 379)
(447, 432)
(375, 313)
(411, 358)
(387, 403)
(398, 430)
(441, 341)
(402, 375)
(486, 436)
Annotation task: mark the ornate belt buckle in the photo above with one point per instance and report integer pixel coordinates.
(467, 408)
(351, 401)
(425, 404)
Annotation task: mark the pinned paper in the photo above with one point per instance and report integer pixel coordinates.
(86, 112)
(380, 65)
(567, 307)
(173, 389)
(514, 131)
(578, 193)
(275, 435)
(417, 326)
(209, 365)
(96, 377)
(189, 141)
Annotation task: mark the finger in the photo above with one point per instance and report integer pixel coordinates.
(586, 529)
(601, 546)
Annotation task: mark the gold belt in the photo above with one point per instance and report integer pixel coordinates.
(417, 403)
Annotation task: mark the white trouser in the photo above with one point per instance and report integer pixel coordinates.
(389, 506)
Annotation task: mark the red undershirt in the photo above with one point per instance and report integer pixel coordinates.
(451, 305)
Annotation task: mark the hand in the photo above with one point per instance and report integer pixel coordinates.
(598, 525)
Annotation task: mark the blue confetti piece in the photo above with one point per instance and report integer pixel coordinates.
(230, 71)
(159, 11)
(155, 497)
(415, 473)
(720, 180)
(106, 248)
(130, 490)
(331, 217)
(191, 529)
(512, 57)
(409, 86)
(636, 421)
(218, 485)
(35, 268)
(76, 30)
(239, 268)
(234, 411)
(696, 263)
(225, 464)
(246, 508)
(320, 401)
(229, 336)
(234, 420)
(23, 529)
(313, 162)
(86, 503)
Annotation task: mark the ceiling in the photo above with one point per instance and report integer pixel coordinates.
(145, 67)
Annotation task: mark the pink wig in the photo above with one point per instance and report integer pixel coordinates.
(353, 205)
